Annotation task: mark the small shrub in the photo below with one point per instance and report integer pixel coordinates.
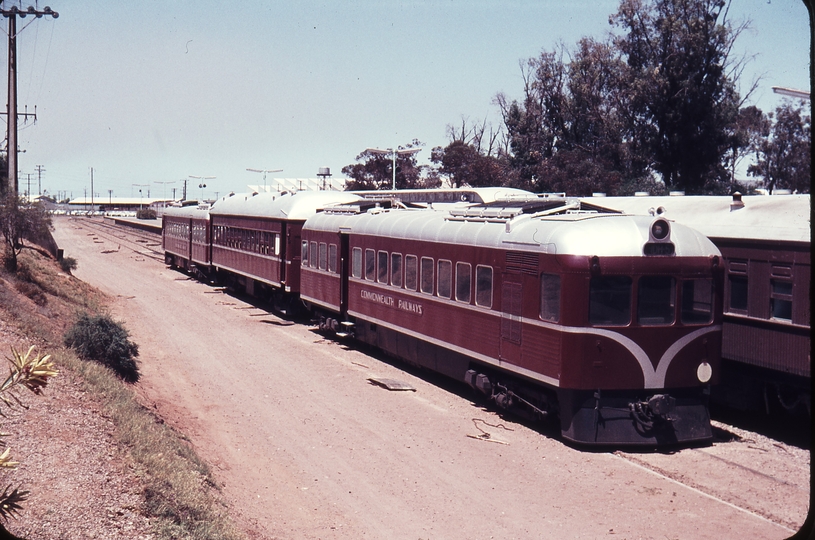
(104, 340)
(145, 213)
(32, 291)
(67, 264)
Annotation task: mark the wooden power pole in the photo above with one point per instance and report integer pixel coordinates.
(11, 137)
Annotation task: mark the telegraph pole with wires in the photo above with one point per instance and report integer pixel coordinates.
(40, 169)
(11, 138)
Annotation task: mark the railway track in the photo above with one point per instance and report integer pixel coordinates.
(747, 471)
(140, 242)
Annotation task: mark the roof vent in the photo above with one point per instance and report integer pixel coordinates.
(736, 203)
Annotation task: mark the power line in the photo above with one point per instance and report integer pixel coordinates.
(12, 14)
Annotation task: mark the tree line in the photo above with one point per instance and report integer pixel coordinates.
(657, 106)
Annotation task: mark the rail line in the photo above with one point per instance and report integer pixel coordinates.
(705, 457)
(141, 242)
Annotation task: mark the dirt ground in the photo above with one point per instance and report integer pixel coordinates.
(306, 447)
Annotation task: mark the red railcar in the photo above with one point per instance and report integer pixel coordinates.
(613, 322)
(256, 237)
(185, 238)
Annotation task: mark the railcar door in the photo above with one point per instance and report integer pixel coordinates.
(511, 327)
(345, 270)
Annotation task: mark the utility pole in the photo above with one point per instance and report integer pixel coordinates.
(40, 170)
(11, 137)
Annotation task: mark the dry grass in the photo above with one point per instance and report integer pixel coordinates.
(180, 496)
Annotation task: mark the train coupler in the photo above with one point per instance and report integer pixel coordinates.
(655, 410)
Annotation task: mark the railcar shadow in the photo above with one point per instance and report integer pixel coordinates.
(795, 430)
(549, 428)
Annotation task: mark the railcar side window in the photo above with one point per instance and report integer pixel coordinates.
(312, 254)
(445, 286)
(332, 258)
(411, 272)
(697, 301)
(356, 263)
(323, 256)
(550, 297)
(483, 286)
(738, 292)
(277, 244)
(781, 300)
(382, 267)
(656, 300)
(610, 300)
(304, 253)
(370, 264)
(463, 277)
(396, 269)
(427, 275)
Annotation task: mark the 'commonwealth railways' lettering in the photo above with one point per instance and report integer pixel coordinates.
(386, 300)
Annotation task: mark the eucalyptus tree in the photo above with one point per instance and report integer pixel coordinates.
(784, 159)
(682, 82)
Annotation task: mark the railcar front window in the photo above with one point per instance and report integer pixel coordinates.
(656, 300)
(610, 300)
(483, 286)
(427, 275)
(277, 244)
(550, 297)
(445, 286)
(411, 272)
(356, 263)
(697, 301)
(370, 264)
(463, 282)
(312, 254)
(304, 253)
(396, 269)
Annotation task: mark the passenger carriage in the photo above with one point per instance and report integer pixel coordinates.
(185, 238)
(256, 236)
(547, 306)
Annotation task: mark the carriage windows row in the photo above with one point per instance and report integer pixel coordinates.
(441, 277)
(610, 300)
(177, 230)
(319, 255)
(182, 231)
(773, 302)
(260, 242)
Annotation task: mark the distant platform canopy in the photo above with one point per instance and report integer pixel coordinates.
(300, 184)
(119, 202)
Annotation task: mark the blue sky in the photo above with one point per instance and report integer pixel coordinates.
(148, 92)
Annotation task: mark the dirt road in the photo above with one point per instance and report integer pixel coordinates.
(307, 447)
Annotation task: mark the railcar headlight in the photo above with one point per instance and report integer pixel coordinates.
(660, 229)
(704, 372)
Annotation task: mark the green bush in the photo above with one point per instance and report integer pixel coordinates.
(145, 213)
(104, 340)
(67, 264)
